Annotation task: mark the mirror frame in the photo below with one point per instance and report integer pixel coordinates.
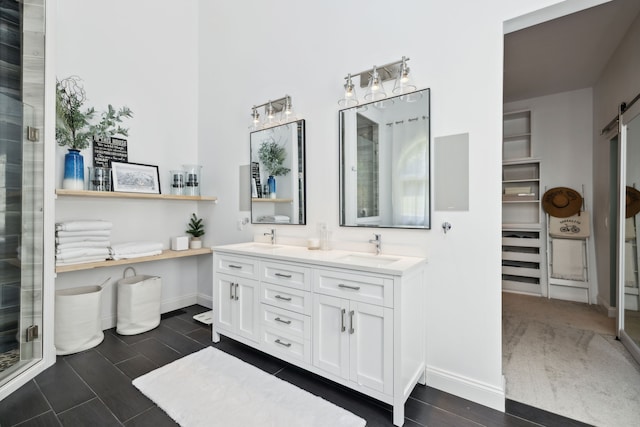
(429, 209)
(300, 173)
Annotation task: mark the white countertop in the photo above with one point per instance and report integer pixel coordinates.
(396, 265)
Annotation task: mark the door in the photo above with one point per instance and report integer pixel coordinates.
(628, 220)
(330, 335)
(225, 287)
(247, 298)
(370, 330)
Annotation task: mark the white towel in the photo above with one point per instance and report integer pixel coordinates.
(71, 239)
(275, 218)
(568, 259)
(83, 244)
(82, 260)
(133, 248)
(84, 225)
(75, 253)
(136, 255)
(84, 233)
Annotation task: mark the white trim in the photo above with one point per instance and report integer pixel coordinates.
(467, 388)
(204, 300)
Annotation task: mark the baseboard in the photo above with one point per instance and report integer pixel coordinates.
(205, 300)
(467, 388)
(606, 308)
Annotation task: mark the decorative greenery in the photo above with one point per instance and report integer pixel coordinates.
(74, 127)
(272, 156)
(196, 229)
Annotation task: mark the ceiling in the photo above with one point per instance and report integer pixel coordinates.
(567, 53)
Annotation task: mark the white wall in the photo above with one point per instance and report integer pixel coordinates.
(619, 82)
(145, 56)
(561, 129)
(251, 55)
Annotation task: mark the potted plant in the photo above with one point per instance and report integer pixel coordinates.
(76, 127)
(196, 229)
(272, 156)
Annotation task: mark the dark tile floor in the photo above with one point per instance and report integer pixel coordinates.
(93, 388)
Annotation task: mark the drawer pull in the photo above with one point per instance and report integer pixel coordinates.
(235, 266)
(351, 329)
(283, 298)
(285, 344)
(286, 276)
(231, 290)
(237, 292)
(355, 288)
(286, 322)
(342, 327)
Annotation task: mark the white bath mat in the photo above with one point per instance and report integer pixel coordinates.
(212, 388)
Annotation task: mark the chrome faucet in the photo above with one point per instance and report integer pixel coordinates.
(378, 242)
(272, 234)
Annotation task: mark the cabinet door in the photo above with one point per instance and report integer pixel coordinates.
(247, 308)
(370, 330)
(224, 291)
(330, 335)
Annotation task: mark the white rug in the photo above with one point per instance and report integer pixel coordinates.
(211, 388)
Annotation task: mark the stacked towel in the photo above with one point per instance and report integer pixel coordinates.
(280, 219)
(82, 241)
(135, 249)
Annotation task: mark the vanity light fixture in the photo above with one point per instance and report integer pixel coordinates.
(276, 112)
(374, 78)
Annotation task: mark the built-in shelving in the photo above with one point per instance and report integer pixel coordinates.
(122, 195)
(168, 254)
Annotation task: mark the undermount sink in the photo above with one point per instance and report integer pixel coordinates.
(260, 246)
(368, 260)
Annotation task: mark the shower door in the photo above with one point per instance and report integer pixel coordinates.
(629, 231)
(21, 185)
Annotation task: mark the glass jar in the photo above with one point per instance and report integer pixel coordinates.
(177, 182)
(193, 179)
(99, 179)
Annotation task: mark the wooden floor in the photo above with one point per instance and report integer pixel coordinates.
(93, 388)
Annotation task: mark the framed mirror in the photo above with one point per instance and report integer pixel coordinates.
(385, 163)
(278, 189)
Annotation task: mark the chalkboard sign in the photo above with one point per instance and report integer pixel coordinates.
(105, 150)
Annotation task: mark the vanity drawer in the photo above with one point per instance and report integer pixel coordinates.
(236, 265)
(291, 275)
(283, 344)
(287, 298)
(358, 287)
(285, 321)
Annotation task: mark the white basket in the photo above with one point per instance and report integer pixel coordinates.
(78, 325)
(138, 303)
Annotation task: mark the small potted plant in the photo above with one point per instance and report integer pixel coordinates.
(196, 229)
(272, 157)
(75, 127)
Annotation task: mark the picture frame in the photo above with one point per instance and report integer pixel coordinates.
(135, 178)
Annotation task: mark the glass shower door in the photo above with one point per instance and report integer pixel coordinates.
(21, 238)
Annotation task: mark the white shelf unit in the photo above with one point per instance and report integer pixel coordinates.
(523, 249)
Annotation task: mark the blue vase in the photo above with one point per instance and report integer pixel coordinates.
(73, 170)
(271, 182)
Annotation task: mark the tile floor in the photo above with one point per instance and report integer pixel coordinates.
(93, 388)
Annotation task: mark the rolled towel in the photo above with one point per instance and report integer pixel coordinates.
(84, 233)
(84, 225)
(131, 248)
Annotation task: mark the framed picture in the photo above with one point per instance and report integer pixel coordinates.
(135, 178)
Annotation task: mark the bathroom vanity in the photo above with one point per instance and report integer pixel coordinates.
(357, 319)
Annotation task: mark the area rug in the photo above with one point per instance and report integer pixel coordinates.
(212, 388)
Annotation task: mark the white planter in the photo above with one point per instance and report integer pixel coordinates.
(195, 243)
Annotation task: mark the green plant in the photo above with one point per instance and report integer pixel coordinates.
(196, 229)
(74, 122)
(272, 156)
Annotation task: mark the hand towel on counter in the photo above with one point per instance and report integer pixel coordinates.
(84, 233)
(83, 225)
(568, 259)
(135, 249)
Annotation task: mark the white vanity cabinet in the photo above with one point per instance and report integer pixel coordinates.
(362, 326)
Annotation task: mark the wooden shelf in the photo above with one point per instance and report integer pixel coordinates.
(266, 200)
(122, 195)
(168, 254)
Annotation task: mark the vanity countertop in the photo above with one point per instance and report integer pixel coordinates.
(396, 265)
